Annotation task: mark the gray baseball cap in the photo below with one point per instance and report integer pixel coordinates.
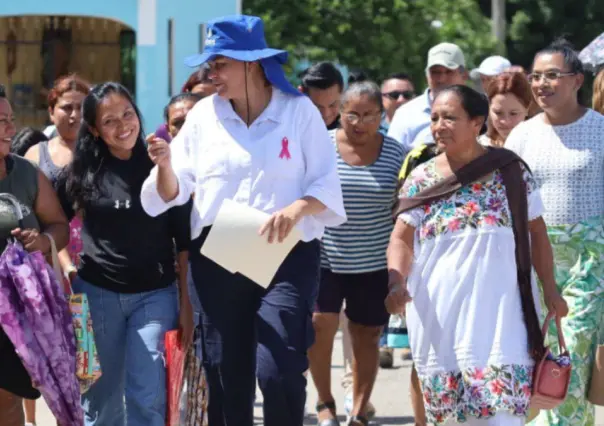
(448, 55)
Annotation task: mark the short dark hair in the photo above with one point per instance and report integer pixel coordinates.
(25, 139)
(564, 47)
(186, 96)
(322, 76)
(398, 76)
(2, 91)
(474, 104)
(357, 76)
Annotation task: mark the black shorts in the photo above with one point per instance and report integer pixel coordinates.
(13, 376)
(364, 293)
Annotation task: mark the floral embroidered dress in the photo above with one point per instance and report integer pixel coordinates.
(466, 326)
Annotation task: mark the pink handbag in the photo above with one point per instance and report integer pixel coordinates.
(552, 374)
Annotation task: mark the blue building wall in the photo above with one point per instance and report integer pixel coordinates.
(149, 19)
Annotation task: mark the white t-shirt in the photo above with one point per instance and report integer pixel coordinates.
(567, 163)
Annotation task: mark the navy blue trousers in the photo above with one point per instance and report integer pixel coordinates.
(251, 333)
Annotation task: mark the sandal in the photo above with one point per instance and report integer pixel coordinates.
(331, 406)
(358, 421)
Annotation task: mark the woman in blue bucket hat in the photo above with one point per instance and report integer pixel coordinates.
(259, 143)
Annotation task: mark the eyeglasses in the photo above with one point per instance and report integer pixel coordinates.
(366, 119)
(395, 94)
(552, 75)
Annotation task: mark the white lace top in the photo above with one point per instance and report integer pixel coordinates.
(567, 163)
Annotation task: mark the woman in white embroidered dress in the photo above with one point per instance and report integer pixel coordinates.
(454, 260)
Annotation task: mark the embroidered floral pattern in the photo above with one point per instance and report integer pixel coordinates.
(477, 393)
(478, 205)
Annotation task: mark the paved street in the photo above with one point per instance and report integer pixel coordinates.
(390, 396)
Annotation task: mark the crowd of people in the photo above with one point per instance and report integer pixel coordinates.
(349, 164)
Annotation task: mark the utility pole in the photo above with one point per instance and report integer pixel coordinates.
(498, 23)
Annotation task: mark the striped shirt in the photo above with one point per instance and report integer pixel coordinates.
(359, 245)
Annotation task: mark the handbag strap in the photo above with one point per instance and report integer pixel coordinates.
(561, 341)
(56, 265)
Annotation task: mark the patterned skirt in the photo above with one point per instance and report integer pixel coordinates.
(579, 267)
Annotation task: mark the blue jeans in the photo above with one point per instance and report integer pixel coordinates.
(129, 334)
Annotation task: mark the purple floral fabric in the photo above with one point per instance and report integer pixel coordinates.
(35, 316)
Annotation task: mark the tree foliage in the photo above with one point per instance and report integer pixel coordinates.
(533, 24)
(378, 36)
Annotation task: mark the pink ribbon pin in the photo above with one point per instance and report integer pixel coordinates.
(285, 149)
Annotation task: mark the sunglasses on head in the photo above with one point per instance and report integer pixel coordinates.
(394, 95)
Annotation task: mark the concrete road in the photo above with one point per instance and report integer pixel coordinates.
(390, 397)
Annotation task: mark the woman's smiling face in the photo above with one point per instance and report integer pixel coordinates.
(117, 124)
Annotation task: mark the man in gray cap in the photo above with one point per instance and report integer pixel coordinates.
(446, 67)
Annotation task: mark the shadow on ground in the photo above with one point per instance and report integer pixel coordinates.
(311, 420)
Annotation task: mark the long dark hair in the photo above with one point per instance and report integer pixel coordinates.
(84, 175)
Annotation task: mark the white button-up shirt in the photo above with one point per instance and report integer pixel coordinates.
(284, 155)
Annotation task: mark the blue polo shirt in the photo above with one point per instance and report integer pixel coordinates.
(410, 119)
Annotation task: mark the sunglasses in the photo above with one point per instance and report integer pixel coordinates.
(394, 95)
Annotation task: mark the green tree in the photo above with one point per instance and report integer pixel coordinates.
(539, 22)
(533, 24)
(379, 36)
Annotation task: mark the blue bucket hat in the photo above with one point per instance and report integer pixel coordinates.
(241, 37)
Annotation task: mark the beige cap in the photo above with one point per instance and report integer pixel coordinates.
(448, 55)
